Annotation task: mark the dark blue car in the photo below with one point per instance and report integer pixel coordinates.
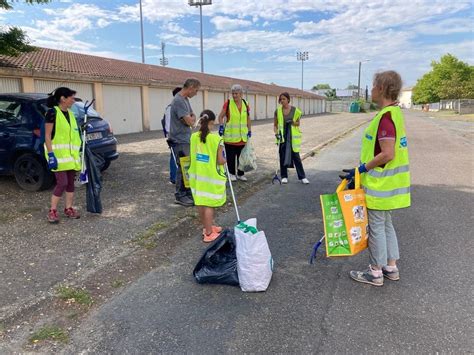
(22, 138)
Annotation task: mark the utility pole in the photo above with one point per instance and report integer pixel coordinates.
(141, 27)
(303, 56)
(200, 3)
(358, 80)
(163, 59)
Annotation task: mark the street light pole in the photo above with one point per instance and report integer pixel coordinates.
(358, 80)
(141, 27)
(200, 3)
(303, 56)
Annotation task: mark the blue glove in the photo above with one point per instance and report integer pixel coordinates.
(221, 130)
(52, 161)
(249, 134)
(351, 172)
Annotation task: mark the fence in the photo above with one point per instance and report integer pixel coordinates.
(338, 106)
(461, 106)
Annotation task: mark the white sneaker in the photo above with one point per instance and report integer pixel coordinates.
(243, 178)
(284, 181)
(305, 181)
(232, 177)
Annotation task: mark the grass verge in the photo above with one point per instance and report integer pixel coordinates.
(76, 295)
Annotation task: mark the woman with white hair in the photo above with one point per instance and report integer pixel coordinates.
(236, 130)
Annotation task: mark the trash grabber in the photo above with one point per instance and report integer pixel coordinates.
(83, 175)
(276, 177)
(172, 153)
(230, 185)
(315, 250)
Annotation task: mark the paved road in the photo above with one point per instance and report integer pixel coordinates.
(317, 308)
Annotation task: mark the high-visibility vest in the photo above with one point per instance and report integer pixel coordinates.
(295, 130)
(387, 188)
(66, 143)
(236, 128)
(207, 179)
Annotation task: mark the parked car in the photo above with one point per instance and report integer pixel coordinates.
(22, 138)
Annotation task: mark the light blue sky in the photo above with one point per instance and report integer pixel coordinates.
(258, 39)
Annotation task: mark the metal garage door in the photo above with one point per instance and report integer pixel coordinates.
(84, 90)
(158, 99)
(123, 108)
(251, 101)
(197, 103)
(215, 102)
(261, 107)
(10, 85)
(272, 105)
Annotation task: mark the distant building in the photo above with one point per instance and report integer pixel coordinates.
(405, 97)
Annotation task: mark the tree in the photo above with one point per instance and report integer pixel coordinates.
(449, 78)
(331, 94)
(351, 87)
(13, 41)
(321, 87)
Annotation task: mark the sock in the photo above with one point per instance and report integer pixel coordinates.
(376, 273)
(390, 268)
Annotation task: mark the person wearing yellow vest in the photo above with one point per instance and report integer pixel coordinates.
(385, 178)
(62, 147)
(207, 177)
(286, 125)
(236, 131)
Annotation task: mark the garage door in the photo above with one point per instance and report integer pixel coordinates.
(215, 102)
(122, 108)
(197, 103)
(159, 99)
(272, 105)
(261, 107)
(8, 85)
(251, 101)
(84, 90)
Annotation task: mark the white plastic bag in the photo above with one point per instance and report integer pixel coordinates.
(248, 158)
(254, 260)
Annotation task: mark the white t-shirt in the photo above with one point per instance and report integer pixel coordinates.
(168, 118)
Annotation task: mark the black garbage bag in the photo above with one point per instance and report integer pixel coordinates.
(94, 162)
(218, 265)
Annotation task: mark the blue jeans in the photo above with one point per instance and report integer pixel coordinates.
(383, 244)
(172, 169)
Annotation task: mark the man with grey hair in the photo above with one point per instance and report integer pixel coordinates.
(236, 131)
(182, 120)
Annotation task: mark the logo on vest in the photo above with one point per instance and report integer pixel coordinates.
(403, 142)
(202, 158)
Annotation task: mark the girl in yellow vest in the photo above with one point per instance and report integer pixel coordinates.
(207, 177)
(286, 126)
(62, 146)
(385, 178)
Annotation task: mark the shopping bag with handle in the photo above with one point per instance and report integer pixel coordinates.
(345, 220)
(185, 162)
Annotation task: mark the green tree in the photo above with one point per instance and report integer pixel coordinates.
(449, 78)
(331, 94)
(13, 41)
(351, 86)
(321, 86)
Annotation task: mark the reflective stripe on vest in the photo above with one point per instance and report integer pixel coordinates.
(66, 143)
(206, 179)
(387, 188)
(236, 129)
(295, 130)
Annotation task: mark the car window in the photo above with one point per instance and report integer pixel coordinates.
(78, 109)
(10, 111)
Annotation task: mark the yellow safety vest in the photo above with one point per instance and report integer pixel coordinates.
(236, 129)
(295, 130)
(66, 143)
(387, 188)
(207, 179)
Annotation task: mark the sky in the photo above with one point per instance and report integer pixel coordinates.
(258, 39)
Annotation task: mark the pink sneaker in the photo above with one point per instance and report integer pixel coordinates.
(53, 216)
(71, 213)
(207, 238)
(215, 229)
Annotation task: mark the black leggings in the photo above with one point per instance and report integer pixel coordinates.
(296, 159)
(232, 154)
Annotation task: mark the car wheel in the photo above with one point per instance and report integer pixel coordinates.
(31, 173)
(105, 166)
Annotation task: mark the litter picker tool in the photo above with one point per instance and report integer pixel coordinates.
(231, 188)
(83, 175)
(276, 178)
